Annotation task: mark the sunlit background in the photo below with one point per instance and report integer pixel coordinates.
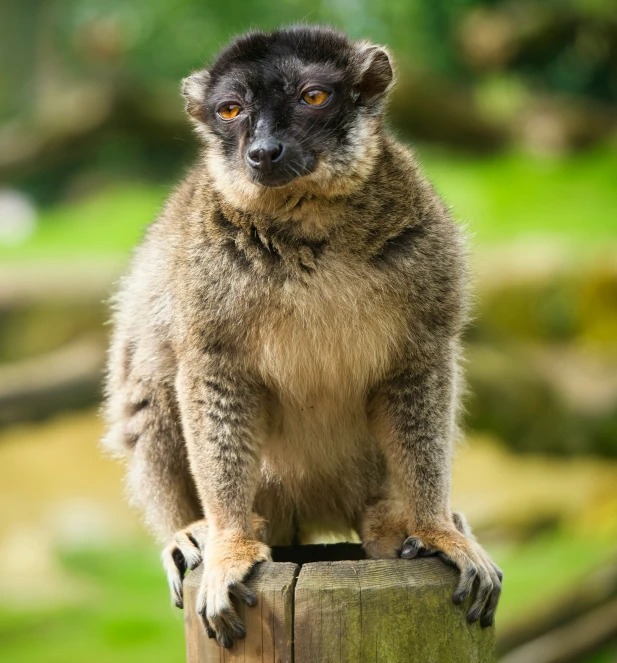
(512, 109)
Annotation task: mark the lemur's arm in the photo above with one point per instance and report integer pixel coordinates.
(413, 414)
(223, 415)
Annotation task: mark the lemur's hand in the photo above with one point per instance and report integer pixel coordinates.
(228, 562)
(476, 567)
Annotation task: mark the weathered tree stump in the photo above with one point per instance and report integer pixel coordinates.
(352, 611)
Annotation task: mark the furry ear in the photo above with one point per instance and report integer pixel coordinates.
(376, 73)
(194, 92)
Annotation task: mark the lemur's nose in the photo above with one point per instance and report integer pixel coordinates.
(264, 154)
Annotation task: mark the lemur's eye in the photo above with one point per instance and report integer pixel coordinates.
(315, 97)
(229, 111)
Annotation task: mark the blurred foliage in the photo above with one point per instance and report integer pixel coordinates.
(578, 306)
(515, 400)
(562, 45)
(543, 362)
(92, 87)
(502, 198)
(125, 615)
(33, 329)
(92, 129)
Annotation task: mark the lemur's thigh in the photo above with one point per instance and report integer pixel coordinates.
(159, 478)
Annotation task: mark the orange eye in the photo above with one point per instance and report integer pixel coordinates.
(315, 97)
(229, 112)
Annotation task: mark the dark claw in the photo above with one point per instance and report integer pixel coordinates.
(229, 629)
(210, 632)
(179, 603)
(474, 614)
(244, 594)
(459, 596)
(239, 631)
(465, 585)
(225, 640)
(487, 620)
(411, 547)
(491, 606)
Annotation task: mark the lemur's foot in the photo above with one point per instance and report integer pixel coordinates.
(457, 548)
(228, 562)
(184, 553)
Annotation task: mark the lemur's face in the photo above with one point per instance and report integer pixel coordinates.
(279, 107)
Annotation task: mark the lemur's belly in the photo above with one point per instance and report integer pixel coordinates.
(320, 348)
(321, 462)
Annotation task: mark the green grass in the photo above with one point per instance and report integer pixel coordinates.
(515, 196)
(127, 617)
(109, 223)
(502, 198)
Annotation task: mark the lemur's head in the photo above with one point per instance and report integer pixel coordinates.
(295, 109)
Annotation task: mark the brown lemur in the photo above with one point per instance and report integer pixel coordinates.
(286, 346)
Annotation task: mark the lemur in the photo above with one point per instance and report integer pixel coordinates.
(287, 342)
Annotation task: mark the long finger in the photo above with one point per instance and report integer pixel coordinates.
(485, 587)
(244, 594)
(175, 568)
(228, 627)
(190, 549)
(490, 608)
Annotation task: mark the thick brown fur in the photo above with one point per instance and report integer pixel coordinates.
(294, 353)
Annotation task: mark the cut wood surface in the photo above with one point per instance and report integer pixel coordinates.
(356, 611)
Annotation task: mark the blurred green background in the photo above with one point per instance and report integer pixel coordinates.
(512, 109)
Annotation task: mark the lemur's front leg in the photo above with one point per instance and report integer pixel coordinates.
(224, 416)
(413, 414)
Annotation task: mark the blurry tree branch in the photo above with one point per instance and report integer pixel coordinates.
(39, 387)
(570, 626)
(571, 642)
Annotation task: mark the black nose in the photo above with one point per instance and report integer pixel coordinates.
(264, 154)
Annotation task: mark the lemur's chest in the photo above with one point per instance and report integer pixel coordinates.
(330, 337)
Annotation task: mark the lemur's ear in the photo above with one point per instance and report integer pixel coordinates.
(376, 73)
(194, 92)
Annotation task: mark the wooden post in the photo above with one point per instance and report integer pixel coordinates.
(354, 611)
(269, 624)
(394, 611)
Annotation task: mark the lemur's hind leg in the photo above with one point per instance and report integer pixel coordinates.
(383, 529)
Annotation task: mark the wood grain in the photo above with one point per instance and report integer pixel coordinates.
(269, 624)
(395, 611)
